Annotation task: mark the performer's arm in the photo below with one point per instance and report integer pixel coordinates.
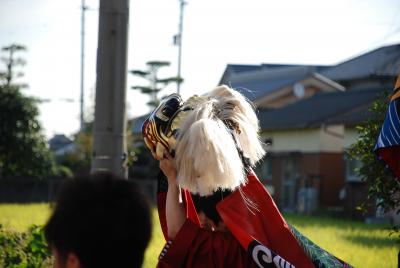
(175, 213)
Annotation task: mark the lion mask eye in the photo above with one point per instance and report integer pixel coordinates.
(156, 129)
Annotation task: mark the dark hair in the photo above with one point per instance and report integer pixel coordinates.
(103, 220)
(207, 204)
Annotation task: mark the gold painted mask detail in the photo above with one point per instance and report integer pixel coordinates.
(161, 130)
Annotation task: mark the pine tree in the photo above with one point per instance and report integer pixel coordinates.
(155, 84)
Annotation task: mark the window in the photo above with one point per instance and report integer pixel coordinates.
(352, 166)
(264, 169)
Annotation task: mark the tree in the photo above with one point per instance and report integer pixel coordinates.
(155, 84)
(383, 188)
(23, 149)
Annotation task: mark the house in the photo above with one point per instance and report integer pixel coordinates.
(308, 116)
(60, 145)
(307, 141)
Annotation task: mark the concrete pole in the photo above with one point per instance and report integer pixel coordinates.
(109, 143)
(181, 6)
(81, 100)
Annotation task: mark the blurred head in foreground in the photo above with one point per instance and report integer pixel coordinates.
(99, 221)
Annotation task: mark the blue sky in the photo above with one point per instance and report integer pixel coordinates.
(215, 33)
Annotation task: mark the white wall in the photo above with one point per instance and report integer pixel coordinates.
(351, 136)
(332, 138)
(325, 139)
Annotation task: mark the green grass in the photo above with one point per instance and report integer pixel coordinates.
(359, 244)
(156, 244)
(355, 242)
(18, 217)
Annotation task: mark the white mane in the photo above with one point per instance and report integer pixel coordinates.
(206, 153)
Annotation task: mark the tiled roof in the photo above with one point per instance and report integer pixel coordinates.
(241, 68)
(347, 108)
(259, 83)
(58, 141)
(382, 61)
(253, 90)
(254, 85)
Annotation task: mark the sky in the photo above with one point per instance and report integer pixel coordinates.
(215, 33)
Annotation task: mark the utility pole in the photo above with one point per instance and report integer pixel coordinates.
(179, 42)
(109, 145)
(11, 62)
(82, 101)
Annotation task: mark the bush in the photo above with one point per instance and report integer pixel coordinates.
(24, 250)
(383, 188)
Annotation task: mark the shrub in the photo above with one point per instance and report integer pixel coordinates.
(24, 250)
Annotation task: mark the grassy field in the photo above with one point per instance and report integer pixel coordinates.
(359, 244)
(355, 242)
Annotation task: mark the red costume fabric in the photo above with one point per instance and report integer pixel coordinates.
(196, 247)
(259, 236)
(256, 222)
